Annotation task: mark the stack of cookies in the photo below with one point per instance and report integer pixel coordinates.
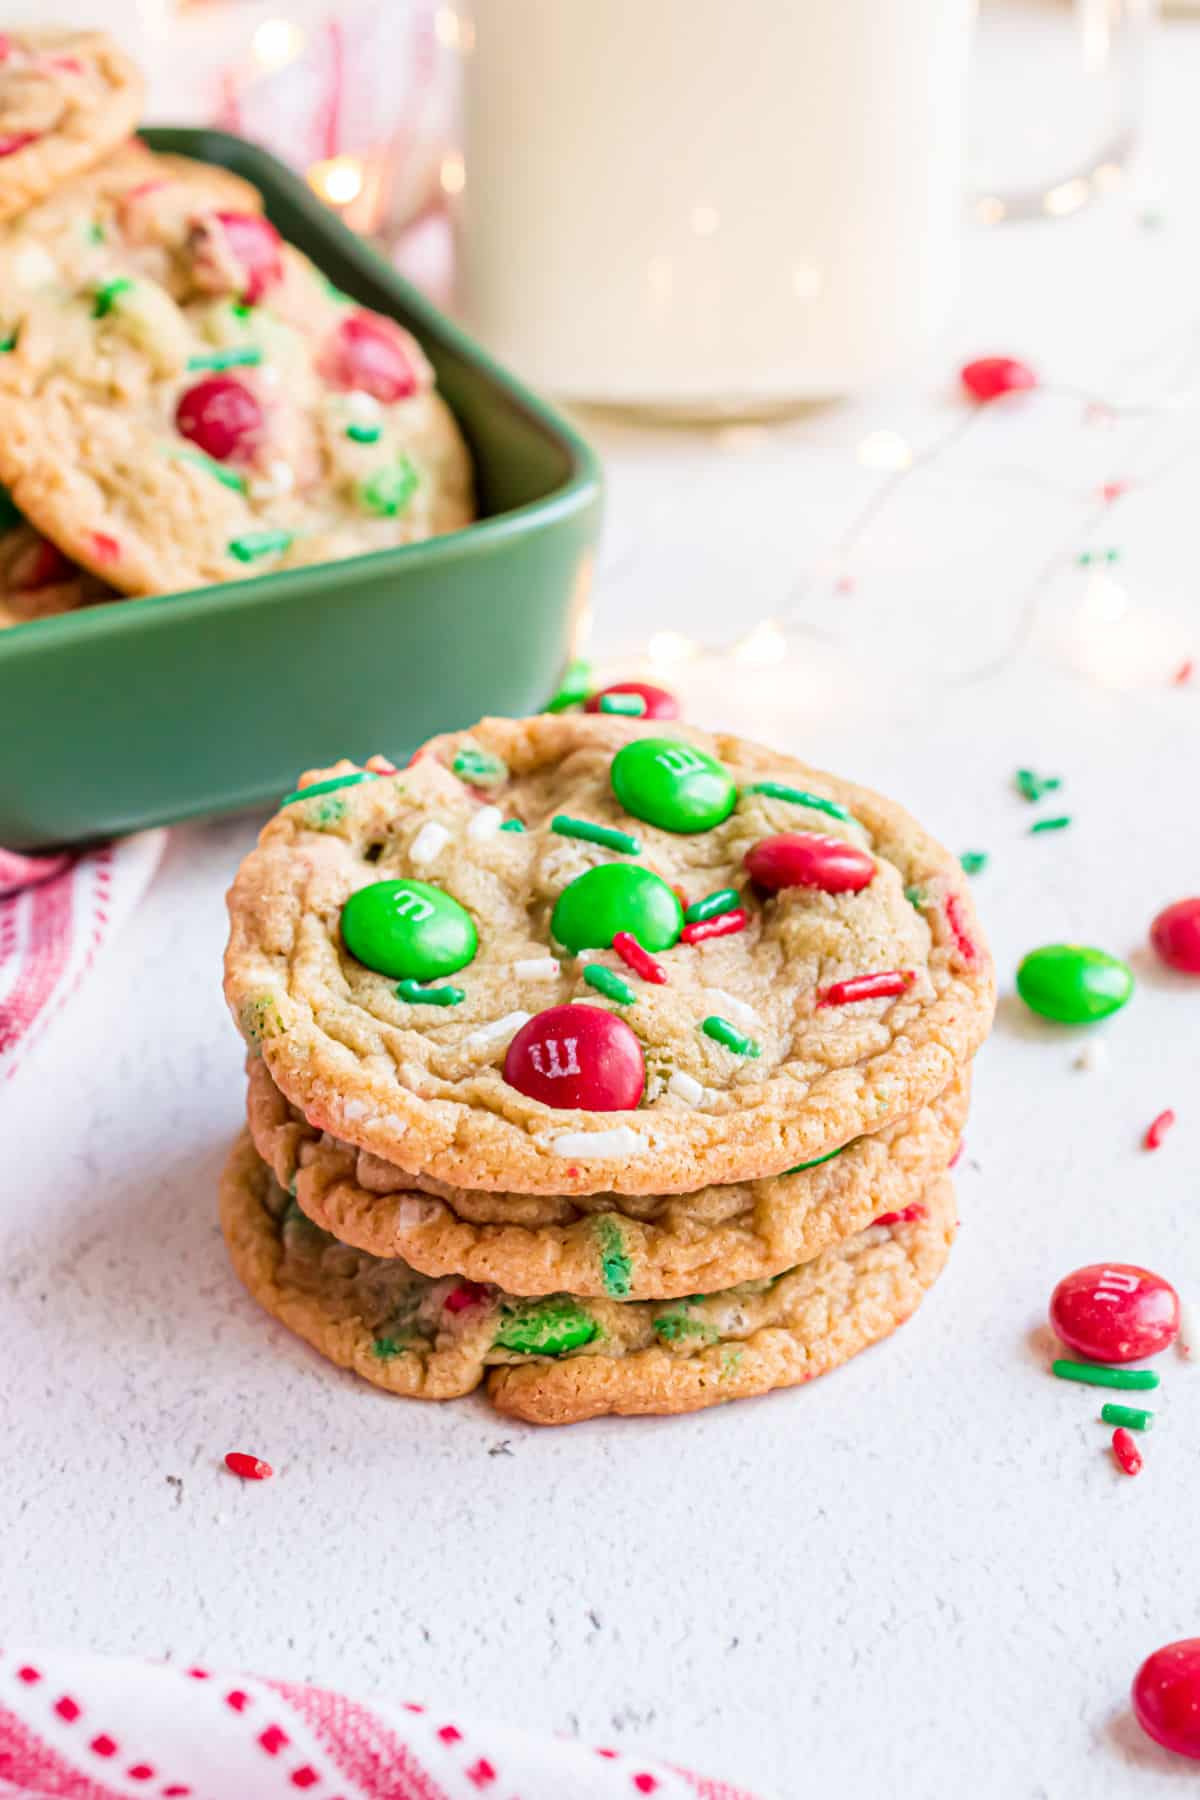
(184, 398)
(615, 1065)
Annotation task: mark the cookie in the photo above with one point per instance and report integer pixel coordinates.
(766, 1034)
(186, 400)
(37, 580)
(66, 99)
(626, 1247)
(558, 1360)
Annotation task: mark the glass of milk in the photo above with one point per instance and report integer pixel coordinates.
(707, 208)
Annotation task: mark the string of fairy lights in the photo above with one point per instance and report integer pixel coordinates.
(1085, 543)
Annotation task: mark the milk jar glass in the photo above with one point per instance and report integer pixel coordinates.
(710, 207)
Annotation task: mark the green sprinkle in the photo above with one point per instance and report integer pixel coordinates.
(1032, 786)
(388, 491)
(574, 688)
(818, 1160)
(239, 356)
(546, 1327)
(1112, 555)
(512, 825)
(1131, 1416)
(384, 1347)
(423, 996)
(107, 294)
(1050, 824)
(1097, 1375)
(478, 768)
(607, 981)
(616, 1266)
(10, 513)
(915, 897)
(259, 1018)
(596, 834)
(327, 787)
(227, 477)
(722, 1032)
(95, 232)
(364, 434)
(974, 862)
(712, 904)
(630, 706)
(8, 343)
(253, 544)
(671, 1327)
(776, 790)
(241, 309)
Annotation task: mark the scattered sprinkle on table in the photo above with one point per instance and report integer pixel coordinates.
(988, 377)
(247, 1468)
(1126, 1453)
(974, 862)
(1058, 824)
(1133, 1417)
(1032, 786)
(722, 1032)
(605, 835)
(1157, 1130)
(1102, 1375)
(608, 982)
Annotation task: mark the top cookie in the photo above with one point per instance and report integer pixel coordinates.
(66, 99)
(184, 399)
(831, 995)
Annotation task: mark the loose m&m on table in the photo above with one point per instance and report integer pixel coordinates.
(1166, 1697)
(1073, 983)
(1115, 1312)
(1175, 935)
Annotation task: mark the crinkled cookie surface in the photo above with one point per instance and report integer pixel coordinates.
(66, 99)
(422, 1085)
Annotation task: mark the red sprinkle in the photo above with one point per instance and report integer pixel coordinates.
(966, 944)
(1157, 1130)
(1183, 673)
(249, 1468)
(632, 954)
(907, 1216)
(884, 986)
(958, 1154)
(990, 376)
(16, 140)
(466, 1294)
(104, 548)
(1112, 490)
(722, 925)
(1129, 1457)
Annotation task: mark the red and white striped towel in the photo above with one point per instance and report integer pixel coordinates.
(57, 915)
(81, 1727)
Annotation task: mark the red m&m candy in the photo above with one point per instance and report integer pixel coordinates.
(990, 376)
(254, 245)
(1115, 1312)
(221, 417)
(577, 1056)
(373, 354)
(1166, 1697)
(806, 859)
(1175, 935)
(657, 703)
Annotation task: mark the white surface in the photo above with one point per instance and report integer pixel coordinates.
(920, 1577)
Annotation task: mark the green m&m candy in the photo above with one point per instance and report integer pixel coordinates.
(672, 785)
(408, 929)
(615, 897)
(546, 1327)
(1072, 983)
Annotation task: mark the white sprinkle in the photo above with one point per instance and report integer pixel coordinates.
(499, 1029)
(537, 968)
(1093, 1056)
(429, 843)
(411, 1212)
(362, 405)
(685, 1088)
(586, 955)
(354, 1109)
(268, 375)
(486, 823)
(595, 1146)
(279, 479)
(732, 1008)
(33, 267)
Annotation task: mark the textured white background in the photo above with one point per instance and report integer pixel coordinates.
(919, 1577)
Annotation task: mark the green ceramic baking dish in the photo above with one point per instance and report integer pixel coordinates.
(145, 711)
